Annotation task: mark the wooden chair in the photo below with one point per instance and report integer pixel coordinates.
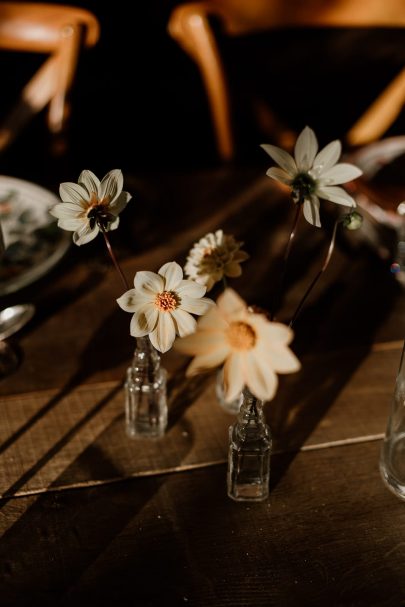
(190, 25)
(58, 31)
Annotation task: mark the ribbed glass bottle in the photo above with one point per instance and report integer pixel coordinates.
(145, 393)
(249, 452)
(392, 460)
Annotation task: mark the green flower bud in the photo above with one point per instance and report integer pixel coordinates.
(353, 220)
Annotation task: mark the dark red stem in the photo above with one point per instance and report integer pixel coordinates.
(317, 277)
(285, 259)
(114, 259)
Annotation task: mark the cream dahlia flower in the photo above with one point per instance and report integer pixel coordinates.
(312, 175)
(251, 348)
(91, 205)
(162, 305)
(214, 256)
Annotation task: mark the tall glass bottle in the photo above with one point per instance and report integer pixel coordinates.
(145, 393)
(392, 460)
(249, 452)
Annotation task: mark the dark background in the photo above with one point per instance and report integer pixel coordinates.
(139, 103)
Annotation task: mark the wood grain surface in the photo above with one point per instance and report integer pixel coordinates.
(330, 534)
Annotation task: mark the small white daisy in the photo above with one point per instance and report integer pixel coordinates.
(214, 256)
(91, 205)
(162, 305)
(312, 175)
(251, 348)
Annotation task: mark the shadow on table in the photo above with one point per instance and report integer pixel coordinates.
(86, 532)
(331, 352)
(90, 361)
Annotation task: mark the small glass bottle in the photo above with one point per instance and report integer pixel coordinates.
(249, 452)
(392, 459)
(145, 393)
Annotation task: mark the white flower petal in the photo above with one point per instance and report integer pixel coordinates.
(90, 182)
(172, 275)
(305, 149)
(114, 224)
(212, 320)
(204, 362)
(336, 194)
(131, 300)
(311, 211)
(260, 377)
(279, 175)
(67, 210)
(144, 320)
(120, 203)
(234, 376)
(283, 360)
(201, 342)
(196, 306)
(275, 332)
(164, 334)
(148, 283)
(327, 157)
(73, 192)
(340, 173)
(84, 234)
(229, 303)
(184, 322)
(190, 288)
(283, 158)
(111, 185)
(70, 224)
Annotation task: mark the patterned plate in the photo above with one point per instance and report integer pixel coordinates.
(33, 242)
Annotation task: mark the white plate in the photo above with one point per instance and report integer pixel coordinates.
(33, 242)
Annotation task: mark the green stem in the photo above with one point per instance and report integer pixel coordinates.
(113, 258)
(319, 274)
(285, 259)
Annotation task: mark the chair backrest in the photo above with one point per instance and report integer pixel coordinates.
(59, 31)
(190, 25)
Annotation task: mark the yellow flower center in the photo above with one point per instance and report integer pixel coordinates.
(167, 301)
(241, 336)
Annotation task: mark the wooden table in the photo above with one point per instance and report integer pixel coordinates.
(77, 530)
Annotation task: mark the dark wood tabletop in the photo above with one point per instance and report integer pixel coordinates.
(89, 517)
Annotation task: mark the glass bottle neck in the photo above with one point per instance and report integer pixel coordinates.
(146, 359)
(251, 422)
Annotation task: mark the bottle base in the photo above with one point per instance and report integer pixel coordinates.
(248, 493)
(392, 483)
(392, 464)
(146, 431)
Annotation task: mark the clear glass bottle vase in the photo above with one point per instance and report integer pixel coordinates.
(145, 393)
(392, 459)
(249, 452)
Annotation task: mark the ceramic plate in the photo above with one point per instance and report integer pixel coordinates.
(33, 242)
